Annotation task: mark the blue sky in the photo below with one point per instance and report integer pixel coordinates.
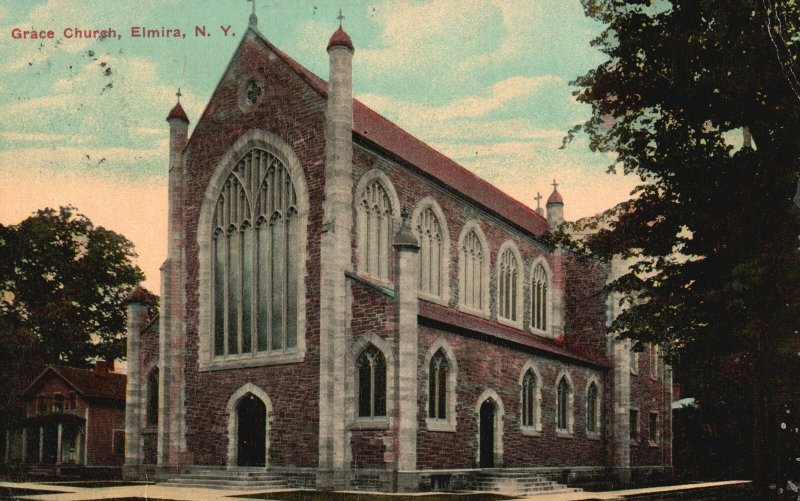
(484, 81)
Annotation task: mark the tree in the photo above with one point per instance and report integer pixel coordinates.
(63, 285)
(712, 227)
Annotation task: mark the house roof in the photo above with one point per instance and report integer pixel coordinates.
(382, 132)
(87, 382)
(465, 321)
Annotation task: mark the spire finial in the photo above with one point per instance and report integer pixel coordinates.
(179, 94)
(340, 17)
(538, 199)
(555, 185)
(253, 18)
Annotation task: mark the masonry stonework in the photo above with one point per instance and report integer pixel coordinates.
(337, 146)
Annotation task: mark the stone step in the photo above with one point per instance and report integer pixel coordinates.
(226, 484)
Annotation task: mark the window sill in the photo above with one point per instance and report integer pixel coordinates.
(473, 311)
(440, 425)
(593, 435)
(564, 434)
(653, 444)
(220, 364)
(530, 431)
(511, 323)
(432, 299)
(634, 373)
(634, 442)
(540, 332)
(370, 423)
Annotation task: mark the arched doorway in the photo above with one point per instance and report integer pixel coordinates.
(487, 430)
(251, 414)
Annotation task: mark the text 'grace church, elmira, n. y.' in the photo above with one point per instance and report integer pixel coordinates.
(345, 307)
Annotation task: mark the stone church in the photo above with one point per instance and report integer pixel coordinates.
(345, 307)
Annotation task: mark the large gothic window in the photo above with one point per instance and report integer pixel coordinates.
(255, 259)
(508, 280)
(437, 386)
(374, 231)
(472, 259)
(539, 290)
(431, 240)
(371, 382)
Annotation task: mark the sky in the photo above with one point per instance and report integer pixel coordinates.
(486, 82)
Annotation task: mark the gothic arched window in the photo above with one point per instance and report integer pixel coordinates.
(254, 259)
(371, 382)
(431, 249)
(508, 280)
(529, 399)
(564, 406)
(539, 294)
(593, 409)
(437, 386)
(374, 230)
(472, 259)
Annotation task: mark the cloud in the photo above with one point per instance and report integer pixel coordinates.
(41, 137)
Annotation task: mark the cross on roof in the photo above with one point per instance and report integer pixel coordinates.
(179, 94)
(555, 185)
(538, 199)
(340, 17)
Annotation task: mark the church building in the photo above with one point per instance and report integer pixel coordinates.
(345, 307)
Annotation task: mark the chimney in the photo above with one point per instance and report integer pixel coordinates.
(101, 368)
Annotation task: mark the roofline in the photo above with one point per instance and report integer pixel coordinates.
(493, 339)
(48, 368)
(369, 144)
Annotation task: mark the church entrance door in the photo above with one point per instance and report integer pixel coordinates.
(487, 434)
(252, 417)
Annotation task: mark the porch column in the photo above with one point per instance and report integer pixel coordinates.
(8, 442)
(24, 445)
(58, 443)
(41, 444)
(78, 444)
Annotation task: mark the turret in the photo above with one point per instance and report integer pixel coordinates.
(555, 208)
(335, 260)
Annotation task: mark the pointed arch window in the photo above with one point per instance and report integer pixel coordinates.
(539, 293)
(371, 382)
(472, 258)
(564, 401)
(254, 259)
(437, 386)
(374, 230)
(508, 278)
(529, 400)
(593, 409)
(429, 230)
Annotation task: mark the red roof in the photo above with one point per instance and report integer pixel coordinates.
(381, 131)
(555, 198)
(462, 320)
(177, 112)
(340, 38)
(87, 382)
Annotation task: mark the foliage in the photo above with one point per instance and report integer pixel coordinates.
(712, 229)
(63, 285)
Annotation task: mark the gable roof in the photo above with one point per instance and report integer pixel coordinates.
(87, 382)
(379, 130)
